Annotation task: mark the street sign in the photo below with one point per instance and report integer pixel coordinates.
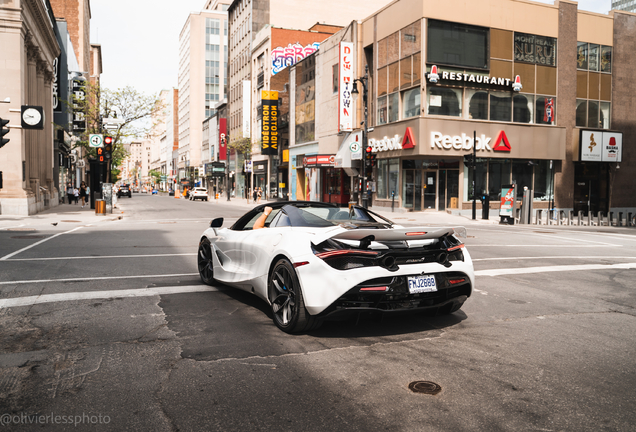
(111, 126)
(96, 140)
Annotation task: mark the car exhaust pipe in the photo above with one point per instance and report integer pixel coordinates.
(442, 258)
(388, 262)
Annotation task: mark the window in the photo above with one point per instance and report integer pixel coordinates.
(498, 175)
(522, 175)
(581, 112)
(411, 103)
(394, 107)
(500, 106)
(444, 101)
(382, 111)
(593, 57)
(480, 184)
(543, 186)
(522, 108)
(335, 78)
(592, 114)
(457, 44)
(604, 121)
(545, 112)
(388, 171)
(477, 101)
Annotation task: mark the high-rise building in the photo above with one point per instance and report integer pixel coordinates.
(202, 81)
(246, 19)
(625, 5)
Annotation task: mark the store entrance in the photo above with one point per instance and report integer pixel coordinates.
(591, 188)
(419, 189)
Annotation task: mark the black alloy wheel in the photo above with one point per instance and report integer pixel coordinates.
(288, 305)
(205, 263)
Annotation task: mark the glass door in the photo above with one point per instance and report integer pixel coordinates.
(430, 182)
(442, 190)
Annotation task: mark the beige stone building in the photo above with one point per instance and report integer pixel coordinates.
(28, 49)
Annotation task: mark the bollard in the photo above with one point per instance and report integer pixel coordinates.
(537, 219)
(629, 219)
(589, 218)
(599, 218)
(570, 217)
(392, 201)
(610, 219)
(619, 221)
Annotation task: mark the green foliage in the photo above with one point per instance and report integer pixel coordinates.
(156, 176)
(133, 109)
(241, 145)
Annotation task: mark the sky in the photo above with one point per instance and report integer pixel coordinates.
(140, 39)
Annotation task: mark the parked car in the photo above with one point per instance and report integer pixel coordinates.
(199, 193)
(124, 190)
(315, 261)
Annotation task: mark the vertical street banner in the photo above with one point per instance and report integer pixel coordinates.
(79, 103)
(222, 139)
(269, 128)
(57, 105)
(345, 84)
(247, 109)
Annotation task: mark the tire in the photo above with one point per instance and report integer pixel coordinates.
(205, 263)
(286, 297)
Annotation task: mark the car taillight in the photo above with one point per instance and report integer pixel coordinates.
(339, 252)
(379, 288)
(456, 281)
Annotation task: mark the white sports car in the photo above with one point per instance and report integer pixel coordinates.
(315, 261)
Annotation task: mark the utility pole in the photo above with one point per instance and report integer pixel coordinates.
(474, 165)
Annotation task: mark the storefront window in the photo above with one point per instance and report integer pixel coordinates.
(477, 101)
(545, 112)
(394, 107)
(522, 175)
(480, 180)
(394, 172)
(411, 103)
(382, 111)
(388, 172)
(444, 101)
(522, 108)
(605, 115)
(457, 44)
(543, 186)
(500, 106)
(592, 114)
(498, 175)
(382, 178)
(581, 112)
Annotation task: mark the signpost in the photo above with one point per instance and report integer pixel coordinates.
(96, 140)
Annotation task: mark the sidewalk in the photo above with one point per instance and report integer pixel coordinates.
(60, 216)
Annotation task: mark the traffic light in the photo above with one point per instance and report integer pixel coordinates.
(3, 132)
(368, 157)
(100, 155)
(108, 147)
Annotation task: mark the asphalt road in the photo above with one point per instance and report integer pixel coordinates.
(106, 326)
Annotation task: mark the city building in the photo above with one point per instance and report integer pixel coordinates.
(163, 137)
(246, 19)
(29, 52)
(202, 82)
(530, 81)
(624, 5)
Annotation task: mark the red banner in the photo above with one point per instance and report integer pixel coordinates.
(222, 139)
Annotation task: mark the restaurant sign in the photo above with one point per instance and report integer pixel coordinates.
(455, 77)
(598, 146)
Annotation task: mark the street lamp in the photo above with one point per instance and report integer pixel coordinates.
(355, 93)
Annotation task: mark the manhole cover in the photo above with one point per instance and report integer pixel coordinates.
(22, 229)
(72, 221)
(425, 387)
(27, 237)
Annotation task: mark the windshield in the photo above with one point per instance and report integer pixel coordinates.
(320, 216)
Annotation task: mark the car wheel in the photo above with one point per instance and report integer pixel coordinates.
(205, 263)
(288, 305)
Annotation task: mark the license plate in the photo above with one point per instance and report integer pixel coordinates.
(422, 284)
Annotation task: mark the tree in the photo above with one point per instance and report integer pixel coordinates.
(155, 175)
(132, 109)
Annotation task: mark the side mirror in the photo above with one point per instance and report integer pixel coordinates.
(216, 223)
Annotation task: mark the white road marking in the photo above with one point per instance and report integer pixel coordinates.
(93, 295)
(547, 269)
(552, 257)
(103, 256)
(471, 246)
(4, 258)
(93, 278)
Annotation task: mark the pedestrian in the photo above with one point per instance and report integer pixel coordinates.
(255, 194)
(76, 195)
(69, 193)
(82, 193)
(259, 195)
(88, 194)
